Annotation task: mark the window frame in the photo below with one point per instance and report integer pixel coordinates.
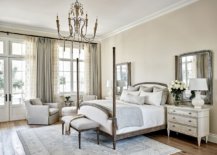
(72, 61)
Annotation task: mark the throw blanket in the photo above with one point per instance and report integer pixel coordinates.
(127, 115)
(67, 121)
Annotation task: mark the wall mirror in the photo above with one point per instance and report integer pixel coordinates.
(195, 65)
(123, 76)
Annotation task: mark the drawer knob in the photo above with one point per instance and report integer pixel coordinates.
(189, 113)
(174, 118)
(174, 126)
(174, 111)
(189, 129)
(189, 121)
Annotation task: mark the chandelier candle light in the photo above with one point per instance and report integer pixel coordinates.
(77, 24)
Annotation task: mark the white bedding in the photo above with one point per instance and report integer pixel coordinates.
(152, 116)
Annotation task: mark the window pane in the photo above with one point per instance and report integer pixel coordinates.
(76, 54)
(65, 82)
(64, 66)
(18, 48)
(1, 82)
(1, 47)
(64, 54)
(18, 81)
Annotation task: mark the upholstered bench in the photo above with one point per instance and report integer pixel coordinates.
(84, 124)
(68, 111)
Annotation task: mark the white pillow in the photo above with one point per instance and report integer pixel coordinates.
(125, 92)
(153, 98)
(36, 101)
(134, 99)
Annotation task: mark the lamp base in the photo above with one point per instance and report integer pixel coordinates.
(197, 102)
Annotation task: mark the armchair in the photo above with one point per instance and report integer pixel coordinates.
(47, 113)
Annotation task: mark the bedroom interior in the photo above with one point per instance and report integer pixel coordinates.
(144, 80)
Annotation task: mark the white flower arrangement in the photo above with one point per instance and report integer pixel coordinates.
(176, 88)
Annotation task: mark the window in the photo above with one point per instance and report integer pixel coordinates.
(1, 47)
(188, 68)
(67, 70)
(18, 48)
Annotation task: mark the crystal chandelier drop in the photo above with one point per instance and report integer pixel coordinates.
(77, 24)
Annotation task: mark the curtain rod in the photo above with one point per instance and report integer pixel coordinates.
(22, 34)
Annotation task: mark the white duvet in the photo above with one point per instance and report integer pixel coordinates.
(152, 116)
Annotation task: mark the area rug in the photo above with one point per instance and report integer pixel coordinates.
(50, 141)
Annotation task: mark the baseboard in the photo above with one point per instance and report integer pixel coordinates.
(212, 138)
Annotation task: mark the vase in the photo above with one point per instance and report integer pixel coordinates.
(177, 99)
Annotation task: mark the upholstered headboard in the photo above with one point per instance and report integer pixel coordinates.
(157, 84)
(150, 84)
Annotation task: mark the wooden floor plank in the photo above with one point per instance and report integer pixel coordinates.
(11, 145)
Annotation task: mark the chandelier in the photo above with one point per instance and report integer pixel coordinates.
(77, 24)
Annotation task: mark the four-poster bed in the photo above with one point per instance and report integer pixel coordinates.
(107, 113)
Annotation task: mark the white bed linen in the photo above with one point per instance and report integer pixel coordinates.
(152, 116)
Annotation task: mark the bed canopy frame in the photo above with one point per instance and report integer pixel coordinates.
(114, 135)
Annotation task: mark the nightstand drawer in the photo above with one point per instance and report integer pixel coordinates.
(182, 119)
(183, 112)
(191, 131)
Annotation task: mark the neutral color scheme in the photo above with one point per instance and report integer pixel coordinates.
(68, 111)
(42, 114)
(39, 140)
(146, 11)
(189, 121)
(151, 47)
(10, 143)
(45, 50)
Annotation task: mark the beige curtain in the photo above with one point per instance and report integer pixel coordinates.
(31, 67)
(93, 69)
(44, 78)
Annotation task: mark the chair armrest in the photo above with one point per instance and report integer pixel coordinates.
(53, 105)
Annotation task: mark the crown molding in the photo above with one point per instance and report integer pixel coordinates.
(155, 15)
(14, 27)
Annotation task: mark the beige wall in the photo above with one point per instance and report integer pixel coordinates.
(151, 47)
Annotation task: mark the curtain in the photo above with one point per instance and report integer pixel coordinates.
(45, 71)
(31, 67)
(93, 69)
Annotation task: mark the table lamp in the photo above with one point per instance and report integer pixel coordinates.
(198, 85)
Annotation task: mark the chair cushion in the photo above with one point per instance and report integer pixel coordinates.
(67, 118)
(84, 124)
(36, 101)
(67, 111)
(53, 111)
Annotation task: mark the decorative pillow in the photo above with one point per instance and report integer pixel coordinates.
(36, 101)
(134, 99)
(131, 88)
(146, 89)
(164, 94)
(125, 92)
(153, 98)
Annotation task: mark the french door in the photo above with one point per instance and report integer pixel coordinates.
(12, 81)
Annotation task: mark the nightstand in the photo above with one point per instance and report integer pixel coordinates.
(189, 121)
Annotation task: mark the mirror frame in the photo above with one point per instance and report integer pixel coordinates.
(210, 70)
(128, 74)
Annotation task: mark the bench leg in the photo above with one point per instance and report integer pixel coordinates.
(79, 139)
(63, 128)
(97, 132)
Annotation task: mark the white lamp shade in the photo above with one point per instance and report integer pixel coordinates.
(109, 83)
(198, 84)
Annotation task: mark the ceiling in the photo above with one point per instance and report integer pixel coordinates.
(113, 15)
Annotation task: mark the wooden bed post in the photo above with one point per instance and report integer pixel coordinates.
(114, 100)
(77, 65)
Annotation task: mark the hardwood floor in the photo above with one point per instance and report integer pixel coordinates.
(11, 145)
